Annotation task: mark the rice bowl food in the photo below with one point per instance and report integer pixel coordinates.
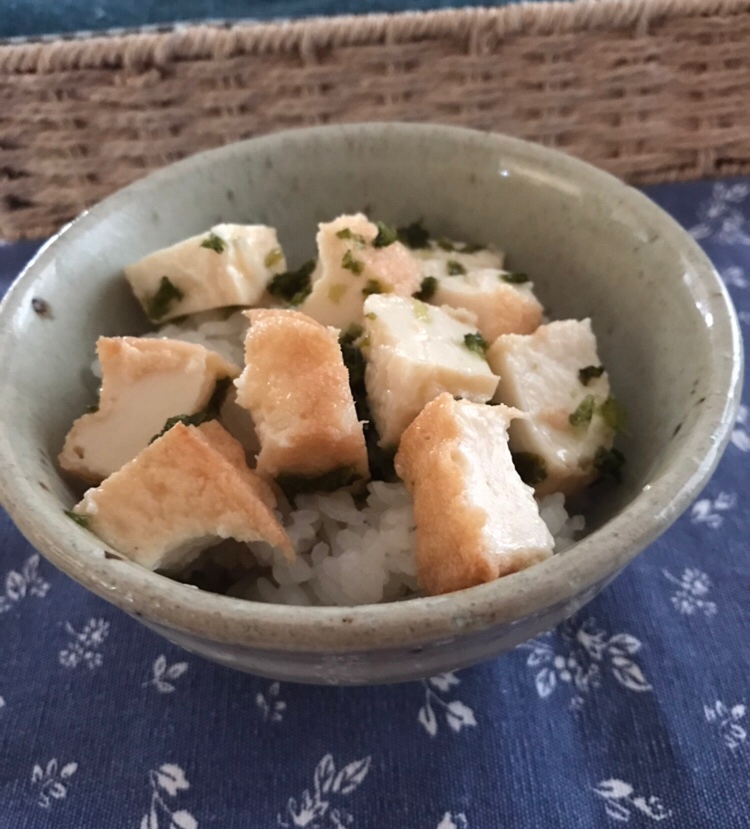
(345, 433)
(593, 248)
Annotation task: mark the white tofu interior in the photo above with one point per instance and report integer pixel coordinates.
(539, 375)
(228, 265)
(501, 307)
(416, 352)
(513, 526)
(145, 382)
(349, 268)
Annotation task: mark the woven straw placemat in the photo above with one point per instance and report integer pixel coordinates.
(651, 90)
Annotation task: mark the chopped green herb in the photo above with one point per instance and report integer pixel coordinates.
(335, 292)
(352, 333)
(166, 294)
(614, 415)
(514, 278)
(273, 257)
(218, 396)
(609, 463)
(476, 343)
(293, 485)
(214, 242)
(414, 236)
(426, 289)
(380, 458)
(470, 247)
(353, 358)
(186, 419)
(293, 286)
(386, 235)
(531, 468)
(585, 411)
(352, 264)
(210, 412)
(371, 315)
(422, 311)
(372, 286)
(81, 520)
(445, 244)
(454, 268)
(589, 373)
(346, 233)
(224, 313)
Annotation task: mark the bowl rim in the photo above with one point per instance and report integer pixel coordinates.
(414, 622)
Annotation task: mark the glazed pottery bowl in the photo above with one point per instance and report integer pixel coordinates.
(594, 247)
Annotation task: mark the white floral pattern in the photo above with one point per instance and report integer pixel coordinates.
(740, 437)
(20, 585)
(621, 801)
(272, 708)
(451, 821)
(579, 656)
(321, 808)
(165, 784)
(728, 721)
(692, 588)
(735, 277)
(52, 782)
(720, 218)
(709, 512)
(163, 675)
(457, 714)
(83, 648)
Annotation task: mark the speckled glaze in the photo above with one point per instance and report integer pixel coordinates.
(666, 329)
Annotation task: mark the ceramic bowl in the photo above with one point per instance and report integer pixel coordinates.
(595, 247)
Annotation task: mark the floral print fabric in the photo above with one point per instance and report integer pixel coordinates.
(633, 712)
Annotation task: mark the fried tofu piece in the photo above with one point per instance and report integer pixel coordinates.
(184, 492)
(539, 374)
(145, 382)
(501, 307)
(476, 520)
(296, 387)
(415, 353)
(350, 268)
(228, 265)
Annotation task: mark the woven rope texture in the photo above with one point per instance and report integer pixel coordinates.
(651, 91)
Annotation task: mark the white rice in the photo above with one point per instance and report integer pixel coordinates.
(350, 556)
(345, 555)
(215, 330)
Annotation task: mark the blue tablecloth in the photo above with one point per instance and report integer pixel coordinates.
(632, 712)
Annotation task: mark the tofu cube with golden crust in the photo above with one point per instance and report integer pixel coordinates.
(184, 492)
(539, 374)
(144, 383)
(228, 265)
(414, 353)
(350, 268)
(501, 307)
(296, 387)
(475, 518)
